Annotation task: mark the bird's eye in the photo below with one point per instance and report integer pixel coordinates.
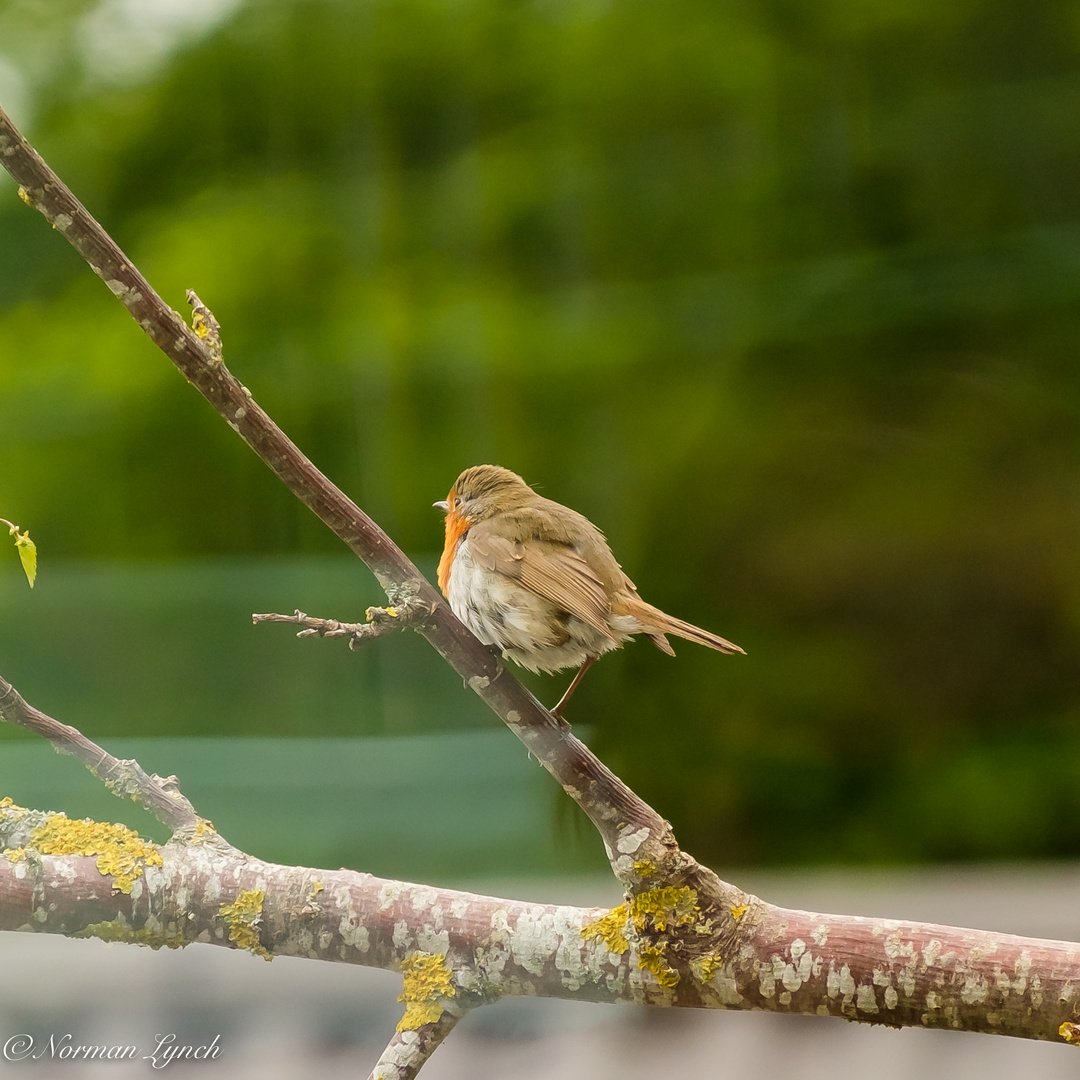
(455, 501)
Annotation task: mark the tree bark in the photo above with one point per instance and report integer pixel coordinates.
(882, 971)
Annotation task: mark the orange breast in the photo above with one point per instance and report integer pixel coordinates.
(456, 528)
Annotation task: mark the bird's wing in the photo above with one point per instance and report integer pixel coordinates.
(553, 571)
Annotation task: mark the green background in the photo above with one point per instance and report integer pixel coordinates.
(784, 296)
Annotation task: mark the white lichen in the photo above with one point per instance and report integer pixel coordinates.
(354, 933)
(388, 894)
(974, 991)
(725, 986)
(628, 843)
(896, 946)
(431, 941)
(534, 940)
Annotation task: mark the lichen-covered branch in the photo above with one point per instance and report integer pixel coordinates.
(124, 778)
(634, 834)
(410, 1047)
(458, 950)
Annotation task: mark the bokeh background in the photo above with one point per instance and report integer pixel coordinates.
(784, 296)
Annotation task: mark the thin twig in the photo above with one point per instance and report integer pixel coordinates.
(380, 621)
(125, 778)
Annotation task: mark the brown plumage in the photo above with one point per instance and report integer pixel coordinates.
(538, 579)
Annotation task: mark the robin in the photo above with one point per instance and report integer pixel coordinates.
(538, 580)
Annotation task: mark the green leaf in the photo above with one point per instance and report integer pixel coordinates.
(27, 554)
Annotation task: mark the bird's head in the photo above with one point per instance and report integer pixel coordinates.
(482, 491)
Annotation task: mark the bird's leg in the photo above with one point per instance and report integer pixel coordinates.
(589, 661)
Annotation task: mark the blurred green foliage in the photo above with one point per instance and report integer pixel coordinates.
(784, 296)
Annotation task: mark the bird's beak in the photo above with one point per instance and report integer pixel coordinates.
(442, 505)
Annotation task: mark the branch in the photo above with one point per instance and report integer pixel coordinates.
(380, 621)
(459, 950)
(408, 1051)
(124, 778)
(640, 845)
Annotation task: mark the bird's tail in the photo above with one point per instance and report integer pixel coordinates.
(656, 623)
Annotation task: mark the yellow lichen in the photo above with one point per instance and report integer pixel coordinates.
(7, 801)
(1070, 1032)
(121, 852)
(644, 869)
(374, 614)
(656, 911)
(15, 854)
(651, 958)
(428, 981)
(203, 830)
(707, 966)
(610, 929)
(739, 910)
(663, 908)
(243, 915)
(118, 930)
(316, 888)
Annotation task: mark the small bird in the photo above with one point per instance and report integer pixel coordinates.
(538, 580)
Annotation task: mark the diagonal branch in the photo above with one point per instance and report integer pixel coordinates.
(124, 778)
(407, 1052)
(640, 845)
